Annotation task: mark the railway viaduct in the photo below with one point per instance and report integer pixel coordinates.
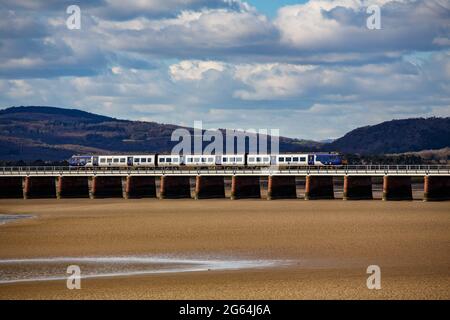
(69, 182)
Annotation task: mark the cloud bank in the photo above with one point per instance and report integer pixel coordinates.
(314, 70)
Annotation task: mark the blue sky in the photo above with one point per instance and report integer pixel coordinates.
(311, 69)
(270, 7)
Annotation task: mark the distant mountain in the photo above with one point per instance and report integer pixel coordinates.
(48, 133)
(396, 136)
(49, 113)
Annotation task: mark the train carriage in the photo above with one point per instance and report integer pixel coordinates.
(167, 160)
(201, 160)
(258, 160)
(327, 159)
(81, 161)
(233, 160)
(113, 161)
(146, 160)
(291, 160)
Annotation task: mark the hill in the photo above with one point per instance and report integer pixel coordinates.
(396, 136)
(48, 133)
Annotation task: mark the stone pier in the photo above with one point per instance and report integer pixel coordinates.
(436, 188)
(39, 187)
(319, 187)
(11, 187)
(72, 187)
(397, 188)
(281, 187)
(209, 187)
(105, 187)
(138, 187)
(243, 187)
(175, 187)
(357, 188)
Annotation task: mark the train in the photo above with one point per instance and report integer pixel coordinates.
(225, 160)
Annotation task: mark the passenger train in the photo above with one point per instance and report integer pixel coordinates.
(226, 160)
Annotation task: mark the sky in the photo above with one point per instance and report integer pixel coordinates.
(270, 7)
(310, 68)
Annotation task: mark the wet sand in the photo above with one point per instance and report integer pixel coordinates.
(331, 243)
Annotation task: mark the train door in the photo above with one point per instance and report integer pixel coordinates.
(95, 161)
(129, 161)
(273, 160)
(310, 159)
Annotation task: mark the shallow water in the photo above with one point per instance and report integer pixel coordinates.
(5, 218)
(46, 269)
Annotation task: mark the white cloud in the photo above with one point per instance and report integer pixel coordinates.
(340, 25)
(193, 69)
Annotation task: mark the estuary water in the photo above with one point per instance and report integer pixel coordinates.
(5, 218)
(55, 268)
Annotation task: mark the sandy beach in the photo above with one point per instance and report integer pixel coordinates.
(328, 244)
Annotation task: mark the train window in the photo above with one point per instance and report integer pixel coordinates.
(238, 159)
(116, 160)
(303, 159)
(258, 159)
(295, 159)
(103, 160)
(175, 160)
(149, 159)
(281, 159)
(189, 160)
(210, 160)
(251, 159)
(197, 159)
(143, 160)
(169, 160)
(224, 159)
(122, 160)
(266, 159)
(162, 160)
(109, 160)
(136, 160)
(288, 159)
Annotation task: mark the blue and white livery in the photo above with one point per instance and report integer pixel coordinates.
(226, 160)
